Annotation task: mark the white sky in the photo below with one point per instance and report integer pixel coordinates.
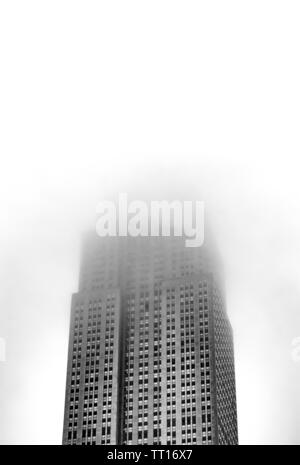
(103, 97)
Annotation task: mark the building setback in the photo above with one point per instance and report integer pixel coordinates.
(150, 347)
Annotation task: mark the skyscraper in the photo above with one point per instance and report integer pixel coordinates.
(150, 348)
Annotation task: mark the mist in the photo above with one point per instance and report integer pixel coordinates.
(162, 101)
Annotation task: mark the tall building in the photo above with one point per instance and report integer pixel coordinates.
(150, 348)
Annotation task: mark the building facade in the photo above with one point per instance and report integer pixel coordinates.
(150, 356)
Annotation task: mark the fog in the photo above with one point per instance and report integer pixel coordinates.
(161, 101)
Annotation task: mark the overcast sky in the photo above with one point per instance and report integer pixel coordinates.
(193, 98)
